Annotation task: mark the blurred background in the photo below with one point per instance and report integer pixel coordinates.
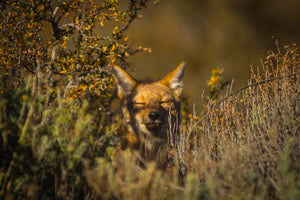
(231, 34)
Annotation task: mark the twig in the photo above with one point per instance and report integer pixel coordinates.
(254, 84)
(237, 91)
(55, 12)
(132, 17)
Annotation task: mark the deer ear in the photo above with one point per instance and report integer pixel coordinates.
(174, 80)
(126, 83)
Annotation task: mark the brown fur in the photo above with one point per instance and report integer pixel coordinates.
(151, 112)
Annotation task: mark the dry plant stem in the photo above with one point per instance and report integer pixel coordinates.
(254, 84)
(6, 185)
(236, 92)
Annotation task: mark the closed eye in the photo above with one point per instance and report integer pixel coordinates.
(166, 101)
(139, 103)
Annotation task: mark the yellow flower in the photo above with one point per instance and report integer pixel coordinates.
(217, 71)
(63, 72)
(213, 80)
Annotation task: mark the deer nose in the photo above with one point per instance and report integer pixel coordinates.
(154, 115)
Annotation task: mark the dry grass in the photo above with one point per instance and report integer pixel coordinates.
(245, 147)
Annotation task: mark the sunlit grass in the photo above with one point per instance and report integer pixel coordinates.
(242, 146)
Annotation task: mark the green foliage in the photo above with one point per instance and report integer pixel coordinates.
(51, 144)
(58, 140)
(56, 88)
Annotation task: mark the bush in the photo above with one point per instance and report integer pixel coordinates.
(243, 142)
(56, 89)
(245, 146)
(58, 139)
